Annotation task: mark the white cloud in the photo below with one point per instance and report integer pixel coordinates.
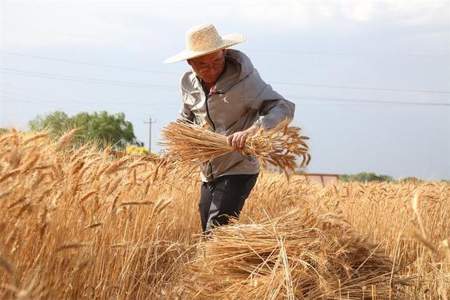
(98, 23)
(359, 11)
(70, 23)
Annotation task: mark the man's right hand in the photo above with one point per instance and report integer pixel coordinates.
(237, 140)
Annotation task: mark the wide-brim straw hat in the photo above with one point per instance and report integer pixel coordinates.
(204, 39)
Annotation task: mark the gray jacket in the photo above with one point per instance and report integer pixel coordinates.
(241, 99)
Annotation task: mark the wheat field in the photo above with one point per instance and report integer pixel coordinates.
(80, 223)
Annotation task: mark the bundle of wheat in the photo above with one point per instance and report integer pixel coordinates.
(298, 255)
(280, 146)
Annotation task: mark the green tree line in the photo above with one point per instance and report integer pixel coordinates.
(99, 127)
(106, 129)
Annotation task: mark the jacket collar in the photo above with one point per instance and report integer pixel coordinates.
(237, 67)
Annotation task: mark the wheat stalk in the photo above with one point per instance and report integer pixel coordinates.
(280, 146)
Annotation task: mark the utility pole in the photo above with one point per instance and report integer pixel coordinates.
(150, 122)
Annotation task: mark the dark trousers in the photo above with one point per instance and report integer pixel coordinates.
(224, 198)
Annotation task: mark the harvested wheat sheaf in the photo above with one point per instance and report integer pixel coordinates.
(298, 255)
(280, 146)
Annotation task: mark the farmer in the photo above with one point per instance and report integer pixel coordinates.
(225, 93)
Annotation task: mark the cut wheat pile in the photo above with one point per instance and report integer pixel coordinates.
(281, 146)
(298, 255)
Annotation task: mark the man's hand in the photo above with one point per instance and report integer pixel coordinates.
(237, 139)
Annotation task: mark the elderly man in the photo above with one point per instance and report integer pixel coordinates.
(225, 93)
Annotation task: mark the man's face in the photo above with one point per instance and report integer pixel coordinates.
(209, 67)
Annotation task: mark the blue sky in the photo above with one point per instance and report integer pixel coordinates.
(359, 71)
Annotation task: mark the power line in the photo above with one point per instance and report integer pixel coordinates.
(361, 88)
(80, 104)
(37, 100)
(88, 63)
(343, 53)
(275, 82)
(367, 101)
(40, 99)
(83, 79)
(296, 98)
(67, 96)
(148, 85)
(168, 72)
(132, 84)
(9, 88)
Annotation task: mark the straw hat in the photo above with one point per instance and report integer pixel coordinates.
(204, 39)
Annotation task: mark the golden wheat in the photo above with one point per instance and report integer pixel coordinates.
(81, 223)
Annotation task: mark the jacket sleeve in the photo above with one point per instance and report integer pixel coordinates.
(272, 107)
(185, 113)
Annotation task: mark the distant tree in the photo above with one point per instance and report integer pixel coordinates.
(3, 130)
(55, 123)
(365, 177)
(99, 127)
(411, 179)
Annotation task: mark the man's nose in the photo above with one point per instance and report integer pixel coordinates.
(209, 66)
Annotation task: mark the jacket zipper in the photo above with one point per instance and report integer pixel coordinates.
(211, 176)
(207, 112)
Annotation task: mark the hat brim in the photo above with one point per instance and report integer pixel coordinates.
(227, 41)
